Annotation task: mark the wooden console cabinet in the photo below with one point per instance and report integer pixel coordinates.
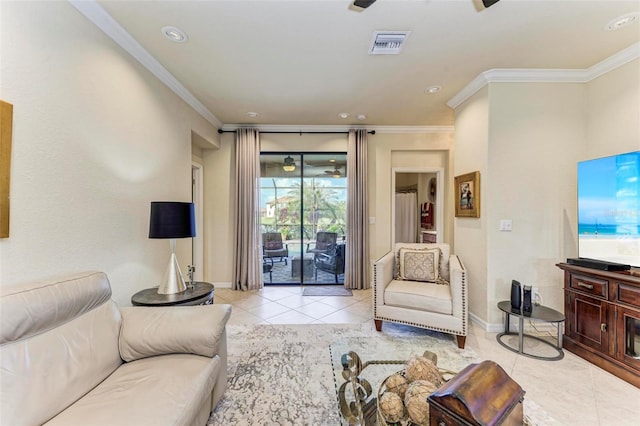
(602, 311)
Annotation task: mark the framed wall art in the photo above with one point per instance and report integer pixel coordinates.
(6, 126)
(467, 195)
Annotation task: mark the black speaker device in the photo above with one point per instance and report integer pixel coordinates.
(516, 296)
(527, 306)
(598, 264)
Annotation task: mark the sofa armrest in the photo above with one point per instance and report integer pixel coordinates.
(151, 331)
(458, 283)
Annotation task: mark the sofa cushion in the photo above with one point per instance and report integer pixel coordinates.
(162, 390)
(428, 297)
(418, 264)
(151, 331)
(59, 340)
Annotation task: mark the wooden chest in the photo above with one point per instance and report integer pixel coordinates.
(481, 394)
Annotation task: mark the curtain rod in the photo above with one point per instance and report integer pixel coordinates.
(371, 132)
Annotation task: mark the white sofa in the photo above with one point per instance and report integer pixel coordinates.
(427, 305)
(70, 356)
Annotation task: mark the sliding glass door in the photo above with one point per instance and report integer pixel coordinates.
(303, 217)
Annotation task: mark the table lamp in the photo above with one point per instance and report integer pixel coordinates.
(171, 220)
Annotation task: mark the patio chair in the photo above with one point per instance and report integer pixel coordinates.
(331, 262)
(272, 247)
(325, 242)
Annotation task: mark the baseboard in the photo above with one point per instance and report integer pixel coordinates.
(491, 328)
(540, 326)
(222, 285)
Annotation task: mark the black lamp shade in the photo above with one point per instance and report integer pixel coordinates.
(172, 219)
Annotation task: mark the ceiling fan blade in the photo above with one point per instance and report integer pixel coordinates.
(364, 3)
(489, 3)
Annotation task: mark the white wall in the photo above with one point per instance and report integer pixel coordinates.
(613, 112)
(413, 150)
(470, 236)
(95, 138)
(536, 136)
(404, 150)
(526, 139)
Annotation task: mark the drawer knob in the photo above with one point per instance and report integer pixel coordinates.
(585, 285)
(603, 327)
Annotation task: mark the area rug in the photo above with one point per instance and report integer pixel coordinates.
(326, 290)
(282, 374)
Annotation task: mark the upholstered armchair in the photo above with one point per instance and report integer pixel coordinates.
(272, 247)
(422, 287)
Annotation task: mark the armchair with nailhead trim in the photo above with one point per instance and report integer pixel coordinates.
(431, 295)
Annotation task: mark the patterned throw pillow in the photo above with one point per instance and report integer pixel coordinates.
(396, 266)
(419, 264)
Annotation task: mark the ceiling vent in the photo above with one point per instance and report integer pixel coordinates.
(388, 42)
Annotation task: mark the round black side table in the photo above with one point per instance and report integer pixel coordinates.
(200, 294)
(541, 313)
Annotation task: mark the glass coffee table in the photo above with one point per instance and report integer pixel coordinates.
(360, 366)
(539, 313)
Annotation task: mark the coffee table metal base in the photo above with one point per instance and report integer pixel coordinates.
(522, 352)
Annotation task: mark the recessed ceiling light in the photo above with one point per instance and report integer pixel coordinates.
(622, 21)
(361, 117)
(433, 89)
(344, 115)
(175, 34)
(252, 114)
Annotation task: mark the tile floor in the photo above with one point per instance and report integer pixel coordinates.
(572, 390)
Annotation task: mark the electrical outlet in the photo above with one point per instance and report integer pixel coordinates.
(536, 297)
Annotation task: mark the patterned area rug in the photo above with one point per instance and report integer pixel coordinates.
(282, 374)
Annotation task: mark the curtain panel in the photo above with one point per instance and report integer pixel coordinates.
(247, 265)
(406, 218)
(357, 250)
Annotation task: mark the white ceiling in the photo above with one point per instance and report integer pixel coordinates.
(303, 62)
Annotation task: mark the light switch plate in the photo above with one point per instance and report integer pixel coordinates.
(505, 225)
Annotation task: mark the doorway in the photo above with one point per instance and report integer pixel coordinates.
(417, 208)
(303, 199)
(197, 249)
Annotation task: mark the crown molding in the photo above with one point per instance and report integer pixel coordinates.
(292, 128)
(546, 75)
(96, 14)
(614, 61)
(413, 129)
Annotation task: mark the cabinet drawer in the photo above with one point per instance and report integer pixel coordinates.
(589, 285)
(428, 237)
(628, 294)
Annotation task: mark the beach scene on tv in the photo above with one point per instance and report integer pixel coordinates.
(608, 209)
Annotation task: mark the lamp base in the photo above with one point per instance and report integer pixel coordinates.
(172, 280)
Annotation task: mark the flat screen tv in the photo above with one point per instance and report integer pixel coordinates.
(608, 209)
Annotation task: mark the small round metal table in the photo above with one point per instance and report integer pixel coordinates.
(200, 293)
(540, 313)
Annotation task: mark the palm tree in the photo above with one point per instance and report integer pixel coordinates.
(320, 202)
